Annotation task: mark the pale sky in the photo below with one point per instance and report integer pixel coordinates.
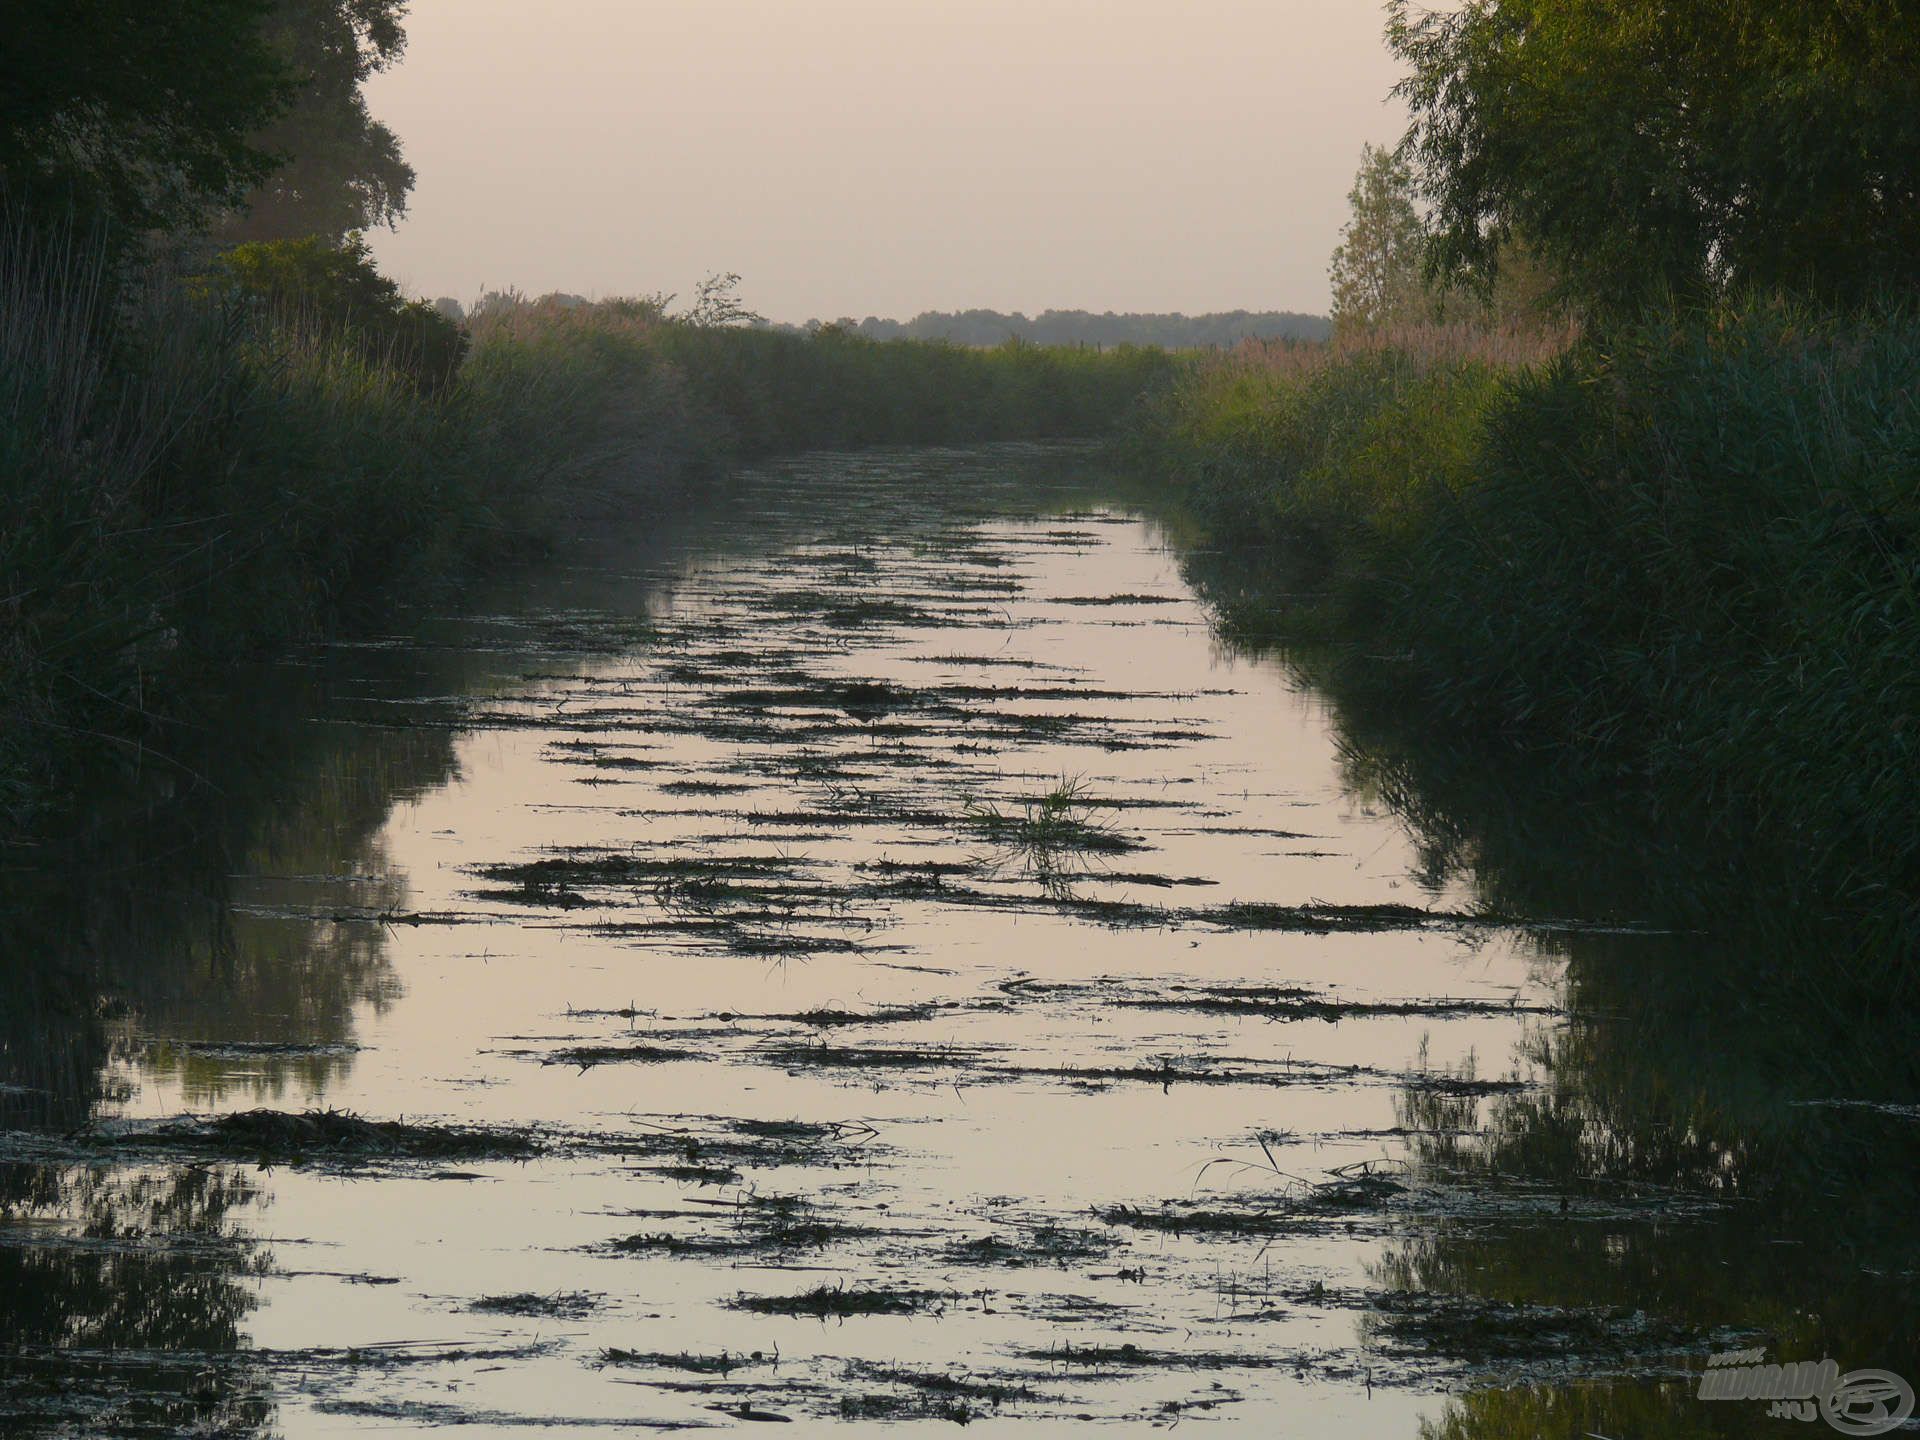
(884, 157)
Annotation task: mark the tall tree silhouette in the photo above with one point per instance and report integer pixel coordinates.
(340, 169)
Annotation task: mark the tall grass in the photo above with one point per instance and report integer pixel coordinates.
(1699, 547)
(834, 389)
(1327, 450)
(1685, 552)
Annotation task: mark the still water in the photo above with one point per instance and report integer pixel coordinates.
(869, 952)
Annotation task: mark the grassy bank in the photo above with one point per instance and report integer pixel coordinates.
(189, 473)
(1684, 553)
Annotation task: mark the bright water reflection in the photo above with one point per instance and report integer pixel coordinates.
(886, 901)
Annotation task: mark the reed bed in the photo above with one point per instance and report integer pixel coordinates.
(1682, 551)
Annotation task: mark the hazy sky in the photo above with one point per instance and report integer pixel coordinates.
(857, 157)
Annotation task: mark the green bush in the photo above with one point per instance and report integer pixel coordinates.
(1330, 455)
(331, 290)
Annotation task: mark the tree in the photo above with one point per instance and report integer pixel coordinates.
(1378, 269)
(340, 169)
(1645, 147)
(335, 291)
(134, 112)
(717, 302)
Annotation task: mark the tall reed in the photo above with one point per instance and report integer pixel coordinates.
(1682, 551)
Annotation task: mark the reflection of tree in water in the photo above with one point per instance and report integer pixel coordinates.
(1705, 1197)
(200, 913)
(1686, 1112)
(226, 936)
(123, 1310)
(269, 963)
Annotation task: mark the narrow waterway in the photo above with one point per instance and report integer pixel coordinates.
(871, 953)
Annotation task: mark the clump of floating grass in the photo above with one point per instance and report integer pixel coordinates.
(725, 1363)
(839, 1301)
(563, 1305)
(1049, 836)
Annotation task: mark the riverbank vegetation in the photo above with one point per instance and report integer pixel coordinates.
(1620, 470)
(1083, 327)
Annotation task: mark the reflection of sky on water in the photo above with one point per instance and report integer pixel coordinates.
(684, 707)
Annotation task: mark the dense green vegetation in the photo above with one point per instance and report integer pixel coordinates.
(207, 448)
(1675, 543)
(1654, 150)
(769, 391)
(139, 114)
(1687, 556)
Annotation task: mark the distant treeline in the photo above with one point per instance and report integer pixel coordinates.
(1084, 327)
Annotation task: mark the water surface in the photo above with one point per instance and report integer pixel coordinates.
(869, 952)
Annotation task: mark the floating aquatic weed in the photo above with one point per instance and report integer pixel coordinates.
(1301, 1205)
(706, 787)
(725, 1363)
(836, 1301)
(1474, 1331)
(755, 1226)
(588, 1056)
(1124, 598)
(1049, 837)
(1129, 1355)
(1043, 1243)
(563, 1305)
(827, 1017)
(1297, 1003)
(708, 1144)
(333, 1135)
(848, 1057)
(697, 1174)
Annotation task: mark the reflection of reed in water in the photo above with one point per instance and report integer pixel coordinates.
(1719, 1143)
(123, 1313)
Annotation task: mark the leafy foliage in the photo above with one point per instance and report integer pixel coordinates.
(1379, 268)
(339, 169)
(337, 290)
(716, 301)
(1648, 148)
(131, 112)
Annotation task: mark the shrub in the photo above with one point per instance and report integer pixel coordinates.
(312, 286)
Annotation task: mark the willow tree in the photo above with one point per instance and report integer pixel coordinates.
(1650, 148)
